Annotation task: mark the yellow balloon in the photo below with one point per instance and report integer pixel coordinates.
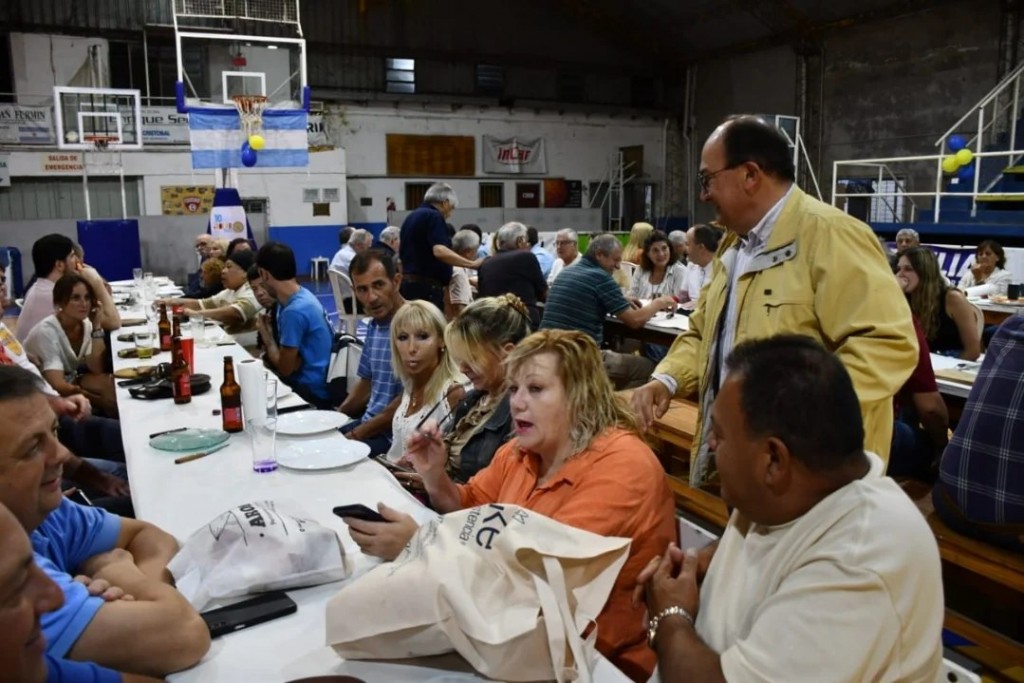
(949, 164)
(964, 157)
(257, 142)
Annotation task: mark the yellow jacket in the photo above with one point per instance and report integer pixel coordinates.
(822, 274)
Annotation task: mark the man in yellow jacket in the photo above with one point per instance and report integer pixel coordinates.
(788, 264)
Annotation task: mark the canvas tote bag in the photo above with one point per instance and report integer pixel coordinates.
(507, 588)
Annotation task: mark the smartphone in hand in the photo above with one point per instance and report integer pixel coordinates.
(392, 466)
(360, 512)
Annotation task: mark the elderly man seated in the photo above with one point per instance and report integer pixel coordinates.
(826, 570)
(514, 270)
(96, 558)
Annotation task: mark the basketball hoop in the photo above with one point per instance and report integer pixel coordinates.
(250, 111)
(100, 142)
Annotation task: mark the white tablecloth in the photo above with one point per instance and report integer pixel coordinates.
(182, 498)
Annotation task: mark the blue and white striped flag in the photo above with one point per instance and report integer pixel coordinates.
(217, 138)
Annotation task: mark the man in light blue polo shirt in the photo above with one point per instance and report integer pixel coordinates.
(155, 633)
(378, 392)
(302, 351)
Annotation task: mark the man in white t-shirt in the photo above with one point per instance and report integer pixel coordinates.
(567, 250)
(826, 571)
(360, 241)
(701, 245)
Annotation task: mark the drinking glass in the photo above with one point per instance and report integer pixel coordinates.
(262, 433)
(144, 343)
(137, 276)
(197, 324)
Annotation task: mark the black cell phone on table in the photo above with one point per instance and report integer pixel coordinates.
(360, 512)
(257, 610)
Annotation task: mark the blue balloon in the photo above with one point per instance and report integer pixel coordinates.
(248, 156)
(966, 172)
(956, 143)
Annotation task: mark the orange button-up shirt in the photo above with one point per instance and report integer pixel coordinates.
(616, 487)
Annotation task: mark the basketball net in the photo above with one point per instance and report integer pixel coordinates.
(250, 112)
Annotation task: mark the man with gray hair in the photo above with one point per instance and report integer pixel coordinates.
(907, 238)
(514, 270)
(584, 295)
(460, 292)
(389, 241)
(426, 249)
(567, 250)
(677, 238)
(358, 242)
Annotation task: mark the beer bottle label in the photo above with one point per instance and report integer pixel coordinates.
(233, 416)
(184, 385)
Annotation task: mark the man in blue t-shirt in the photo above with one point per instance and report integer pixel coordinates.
(155, 633)
(378, 392)
(27, 595)
(302, 351)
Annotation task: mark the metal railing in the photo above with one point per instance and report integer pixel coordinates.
(920, 162)
(995, 116)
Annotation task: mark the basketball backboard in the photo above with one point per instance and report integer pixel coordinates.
(240, 47)
(91, 118)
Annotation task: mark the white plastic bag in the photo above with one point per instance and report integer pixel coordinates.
(507, 588)
(253, 548)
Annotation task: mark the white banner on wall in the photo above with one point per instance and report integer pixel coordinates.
(316, 130)
(514, 155)
(26, 125)
(164, 126)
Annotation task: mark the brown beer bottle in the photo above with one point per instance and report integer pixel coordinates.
(175, 323)
(230, 398)
(164, 329)
(181, 379)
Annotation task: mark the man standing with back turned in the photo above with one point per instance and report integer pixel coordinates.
(788, 264)
(425, 248)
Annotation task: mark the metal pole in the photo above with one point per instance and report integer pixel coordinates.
(879, 188)
(938, 183)
(1013, 118)
(85, 185)
(145, 63)
(977, 170)
(124, 199)
(835, 180)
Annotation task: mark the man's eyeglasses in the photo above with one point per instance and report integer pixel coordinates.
(704, 178)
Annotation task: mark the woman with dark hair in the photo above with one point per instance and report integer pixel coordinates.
(71, 348)
(988, 268)
(659, 273)
(947, 318)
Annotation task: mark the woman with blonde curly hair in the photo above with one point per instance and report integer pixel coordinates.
(945, 315)
(578, 458)
(430, 379)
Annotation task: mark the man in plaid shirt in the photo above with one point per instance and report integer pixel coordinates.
(980, 491)
(378, 393)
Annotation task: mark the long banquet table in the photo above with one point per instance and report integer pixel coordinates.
(182, 498)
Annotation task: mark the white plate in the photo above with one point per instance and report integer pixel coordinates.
(320, 453)
(283, 389)
(304, 422)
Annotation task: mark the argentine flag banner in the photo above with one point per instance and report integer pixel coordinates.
(217, 137)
